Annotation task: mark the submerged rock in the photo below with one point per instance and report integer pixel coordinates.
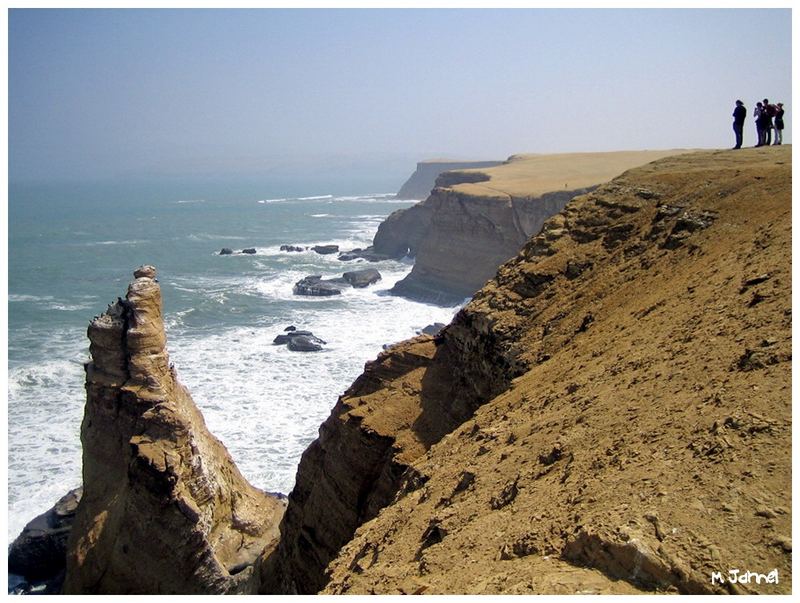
(369, 254)
(362, 278)
(299, 341)
(315, 286)
(292, 248)
(325, 249)
(304, 343)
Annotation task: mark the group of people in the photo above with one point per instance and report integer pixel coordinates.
(768, 118)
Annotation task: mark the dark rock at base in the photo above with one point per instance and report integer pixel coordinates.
(292, 248)
(362, 278)
(432, 329)
(290, 328)
(39, 553)
(304, 343)
(250, 250)
(325, 249)
(300, 341)
(369, 254)
(285, 338)
(226, 251)
(315, 286)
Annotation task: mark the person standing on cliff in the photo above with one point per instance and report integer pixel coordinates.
(739, 114)
(769, 113)
(779, 123)
(759, 115)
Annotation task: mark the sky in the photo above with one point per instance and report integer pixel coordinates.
(147, 94)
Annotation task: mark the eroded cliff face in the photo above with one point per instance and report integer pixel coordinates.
(164, 508)
(464, 238)
(636, 432)
(476, 219)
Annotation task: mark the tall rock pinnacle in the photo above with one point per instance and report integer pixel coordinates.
(164, 510)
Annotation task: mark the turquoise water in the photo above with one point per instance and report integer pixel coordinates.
(72, 251)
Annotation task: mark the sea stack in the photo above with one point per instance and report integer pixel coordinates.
(164, 508)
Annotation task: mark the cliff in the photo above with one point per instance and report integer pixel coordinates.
(164, 508)
(420, 183)
(611, 413)
(474, 220)
(630, 372)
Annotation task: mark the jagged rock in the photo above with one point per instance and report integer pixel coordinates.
(40, 551)
(362, 278)
(226, 251)
(164, 508)
(315, 286)
(292, 248)
(249, 250)
(325, 249)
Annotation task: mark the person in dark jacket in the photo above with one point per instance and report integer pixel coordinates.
(759, 114)
(739, 114)
(779, 123)
(769, 111)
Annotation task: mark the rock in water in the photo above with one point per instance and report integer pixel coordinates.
(315, 286)
(249, 250)
(40, 551)
(362, 278)
(326, 249)
(226, 251)
(304, 343)
(164, 508)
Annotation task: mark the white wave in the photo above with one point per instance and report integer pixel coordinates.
(15, 297)
(69, 307)
(322, 216)
(315, 198)
(202, 236)
(273, 394)
(267, 201)
(182, 201)
(130, 242)
(45, 405)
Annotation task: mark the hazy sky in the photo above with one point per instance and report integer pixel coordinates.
(144, 93)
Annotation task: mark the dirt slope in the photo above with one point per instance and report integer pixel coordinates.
(645, 440)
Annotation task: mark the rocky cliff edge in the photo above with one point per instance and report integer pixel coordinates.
(476, 219)
(610, 414)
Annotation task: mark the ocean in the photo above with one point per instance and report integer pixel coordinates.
(72, 251)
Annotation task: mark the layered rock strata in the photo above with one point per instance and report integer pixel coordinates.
(164, 508)
(422, 181)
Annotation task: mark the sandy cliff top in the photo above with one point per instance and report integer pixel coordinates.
(529, 175)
